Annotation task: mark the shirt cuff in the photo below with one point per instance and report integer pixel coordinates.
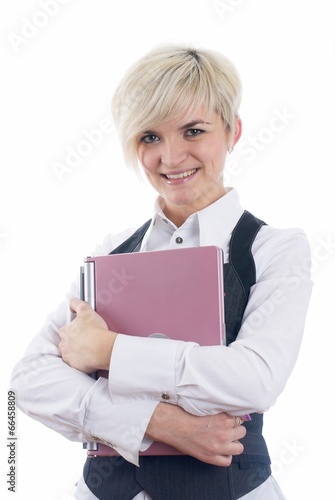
(121, 426)
(144, 367)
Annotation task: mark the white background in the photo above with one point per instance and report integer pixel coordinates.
(58, 83)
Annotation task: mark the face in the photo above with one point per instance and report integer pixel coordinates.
(183, 159)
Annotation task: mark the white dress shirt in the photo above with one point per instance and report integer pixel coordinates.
(245, 377)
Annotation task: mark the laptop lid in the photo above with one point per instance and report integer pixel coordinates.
(176, 293)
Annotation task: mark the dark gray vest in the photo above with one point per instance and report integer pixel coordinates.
(184, 477)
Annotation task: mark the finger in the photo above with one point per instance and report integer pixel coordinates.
(218, 460)
(237, 421)
(240, 432)
(235, 434)
(222, 460)
(237, 448)
(76, 305)
(234, 448)
(240, 420)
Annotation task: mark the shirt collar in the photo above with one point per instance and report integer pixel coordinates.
(215, 222)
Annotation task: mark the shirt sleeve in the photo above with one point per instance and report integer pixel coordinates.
(246, 376)
(71, 402)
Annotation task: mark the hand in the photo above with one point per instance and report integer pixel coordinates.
(212, 439)
(86, 343)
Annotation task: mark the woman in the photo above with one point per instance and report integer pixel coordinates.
(177, 114)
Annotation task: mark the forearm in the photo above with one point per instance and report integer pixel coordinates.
(211, 439)
(78, 407)
(68, 400)
(243, 378)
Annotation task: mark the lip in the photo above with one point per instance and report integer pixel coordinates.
(182, 176)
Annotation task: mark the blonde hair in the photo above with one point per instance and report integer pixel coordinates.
(168, 80)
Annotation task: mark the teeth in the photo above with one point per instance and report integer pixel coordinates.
(180, 176)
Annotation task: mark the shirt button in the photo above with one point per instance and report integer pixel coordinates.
(179, 240)
(165, 396)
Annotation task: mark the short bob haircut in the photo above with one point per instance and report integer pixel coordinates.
(169, 80)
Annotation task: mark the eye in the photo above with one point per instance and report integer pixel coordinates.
(149, 138)
(194, 132)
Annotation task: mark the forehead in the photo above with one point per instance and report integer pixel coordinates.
(188, 118)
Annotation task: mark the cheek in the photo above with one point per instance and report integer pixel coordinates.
(145, 158)
(211, 156)
(219, 155)
(140, 155)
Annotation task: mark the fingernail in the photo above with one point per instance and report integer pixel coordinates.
(247, 418)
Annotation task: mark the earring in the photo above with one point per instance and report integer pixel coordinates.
(230, 149)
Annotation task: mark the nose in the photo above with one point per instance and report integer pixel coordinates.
(173, 153)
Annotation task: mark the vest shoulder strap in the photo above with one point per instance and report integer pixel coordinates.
(130, 244)
(240, 256)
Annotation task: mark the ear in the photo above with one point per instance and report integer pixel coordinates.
(238, 130)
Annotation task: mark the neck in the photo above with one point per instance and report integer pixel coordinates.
(179, 213)
(178, 217)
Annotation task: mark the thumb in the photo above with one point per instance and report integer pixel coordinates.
(79, 306)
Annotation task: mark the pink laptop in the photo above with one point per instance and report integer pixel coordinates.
(176, 294)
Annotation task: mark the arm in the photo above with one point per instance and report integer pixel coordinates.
(86, 344)
(248, 375)
(80, 408)
(212, 439)
(69, 401)
(243, 378)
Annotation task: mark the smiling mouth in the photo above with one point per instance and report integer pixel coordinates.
(182, 175)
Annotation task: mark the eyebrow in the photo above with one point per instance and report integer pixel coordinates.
(194, 122)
